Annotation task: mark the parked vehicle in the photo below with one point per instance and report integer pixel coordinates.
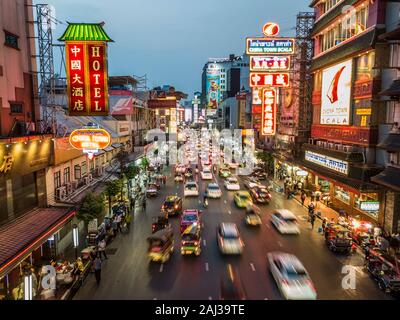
(161, 245)
(337, 238)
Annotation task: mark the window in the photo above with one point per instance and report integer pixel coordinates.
(57, 179)
(16, 107)
(77, 172)
(67, 177)
(367, 202)
(11, 40)
(342, 195)
(83, 168)
(329, 4)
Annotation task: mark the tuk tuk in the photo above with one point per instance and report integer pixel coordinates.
(384, 269)
(159, 223)
(161, 245)
(338, 239)
(191, 240)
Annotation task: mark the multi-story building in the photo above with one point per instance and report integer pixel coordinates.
(341, 155)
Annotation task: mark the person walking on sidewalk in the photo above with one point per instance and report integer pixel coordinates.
(97, 269)
(312, 220)
(144, 204)
(128, 220)
(101, 248)
(311, 208)
(303, 197)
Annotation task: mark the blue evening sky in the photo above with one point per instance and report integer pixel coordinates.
(170, 40)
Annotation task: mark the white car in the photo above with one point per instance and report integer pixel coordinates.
(180, 168)
(213, 191)
(179, 178)
(291, 277)
(228, 238)
(206, 174)
(191, 189)
(285, 221)
(231, 183)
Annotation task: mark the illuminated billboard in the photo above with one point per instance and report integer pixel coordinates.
(268, 116)
(213, 88)
(270, 79)
(336, 94)
(90, 140)
(255, 46)
(269, 63)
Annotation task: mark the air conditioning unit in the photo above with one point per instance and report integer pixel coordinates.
(61, 193)
(347, 148)
(330, 145)
(325, 144)
(338, 147)
(74, 185)
(69, 188)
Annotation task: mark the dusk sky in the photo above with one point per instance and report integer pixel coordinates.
(171, 40)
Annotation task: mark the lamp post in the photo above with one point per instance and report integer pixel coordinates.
(28, 286)
(75, 235)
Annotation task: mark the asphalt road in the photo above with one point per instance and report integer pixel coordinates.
(127, 274)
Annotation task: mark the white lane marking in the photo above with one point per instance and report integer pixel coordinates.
(207, 267)
(265, 298)
(209, 298)
(252, 267)
(204, 243)
(162, 267)
(229, 212)
(280, 244)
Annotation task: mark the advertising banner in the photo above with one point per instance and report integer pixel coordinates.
(269, 63)
(255, 46)
(277, 79)
(336, 94)
(268, 117)
(87, 78)
(213, 89)
(327, 162)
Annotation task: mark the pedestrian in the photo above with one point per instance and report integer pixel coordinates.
(97, 269)
(303, 197)
(101, 248)
(165, 180)
(377, 233)
(324, 223)
(312, 220)
(311, 208)
(313, 196)
(318, 195)
(118, 220)
(144, 204)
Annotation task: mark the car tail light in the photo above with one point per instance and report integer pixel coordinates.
(196, 243)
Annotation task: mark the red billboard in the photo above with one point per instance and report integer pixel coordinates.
(268, 117)
(269, 63)
(87, 78)
(269, 79)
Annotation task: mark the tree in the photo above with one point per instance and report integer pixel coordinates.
(144, 165)
(267, 161)
(92, 206)
(113, 188)
(130, 173)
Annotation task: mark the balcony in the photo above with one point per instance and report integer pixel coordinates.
(364, 136)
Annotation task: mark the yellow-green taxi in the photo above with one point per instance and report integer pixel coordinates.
(242, 199)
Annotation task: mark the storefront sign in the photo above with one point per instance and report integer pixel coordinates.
(90, 140)
(270, 29)
(364, 112)
(256, 95)
(327, 162)
(336, 94)
(87, 78)
(6, 165)
(348, 134)
(279, 79)
(268, 117)
(269, 63)
(302, 173)
(371, 206)
(255, 46)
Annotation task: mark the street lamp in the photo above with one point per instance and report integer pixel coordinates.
(28, 288)
(75, 236)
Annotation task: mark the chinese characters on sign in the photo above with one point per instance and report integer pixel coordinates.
(268, 123)
(258, 79)
(87, 78)
(90, 141)
(269, 63)
(6, 165)
(262, 46)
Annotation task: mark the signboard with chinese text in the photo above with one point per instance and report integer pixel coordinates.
(255, 46)
(268, 115)
(269, 63)
(276, 79)
(87, 78)
(327, 162)
(90, 140)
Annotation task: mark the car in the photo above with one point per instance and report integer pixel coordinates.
(242, 199)
(291, 277)
(189, 173)
(190, 217)
(180, 168)
(260, 195)
(259, 174)
(191, 189)
(224, 172)
(228, 238)
(152, 190)
(172, 205)
(231, 285)
(213, 191)
(285, 221)
(179, 177)
(251, 182)
(252, 217)
(191, 240)
(206, 174)
(232, 183)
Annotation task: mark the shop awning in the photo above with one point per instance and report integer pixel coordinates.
(390, 177)
(391, 143)
(108, 149)
(27, 233)
(355, 185)
(117, 145)
(393, 90)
